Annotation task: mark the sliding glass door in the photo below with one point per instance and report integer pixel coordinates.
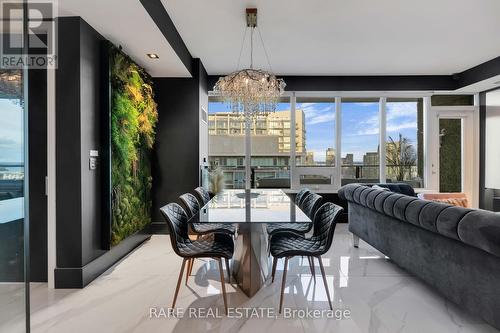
(14, 272)
(12, 194)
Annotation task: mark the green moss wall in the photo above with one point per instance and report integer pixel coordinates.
(450, 156)
(133, 119)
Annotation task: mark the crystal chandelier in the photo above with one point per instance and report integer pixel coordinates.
(251, 91)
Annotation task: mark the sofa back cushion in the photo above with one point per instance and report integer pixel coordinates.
(481, 229)
(478, 228)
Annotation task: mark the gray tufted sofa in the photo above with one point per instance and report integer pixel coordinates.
(455, 250)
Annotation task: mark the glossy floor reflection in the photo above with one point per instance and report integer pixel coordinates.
(380, 297)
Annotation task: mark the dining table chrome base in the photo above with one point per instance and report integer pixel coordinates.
(251, 262)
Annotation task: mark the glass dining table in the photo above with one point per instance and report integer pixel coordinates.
(251, 211)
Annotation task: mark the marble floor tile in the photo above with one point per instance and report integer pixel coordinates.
(376, 294)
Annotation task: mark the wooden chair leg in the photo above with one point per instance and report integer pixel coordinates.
(228, 271)
(275, 263)
(283, 283)
(222, 283)
(188, 269)
(324, 281)
(191, 267)
(311, 266)
(179, 282)
(268, 250)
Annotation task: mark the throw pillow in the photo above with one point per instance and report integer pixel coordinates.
(380, 188)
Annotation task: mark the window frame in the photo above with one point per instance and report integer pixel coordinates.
(335, 171)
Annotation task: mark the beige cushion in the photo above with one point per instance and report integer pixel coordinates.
(455, 199)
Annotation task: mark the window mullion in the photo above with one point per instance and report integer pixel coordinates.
(293, 143)
(382, 145)
(338, 143)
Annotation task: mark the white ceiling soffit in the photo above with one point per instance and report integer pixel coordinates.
(343, 37)
(126, 23)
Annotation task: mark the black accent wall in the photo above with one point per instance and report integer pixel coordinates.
(470, 76)
(175, 163)
(77, 132)
(81, 256)
(364, 83)
(37, 123)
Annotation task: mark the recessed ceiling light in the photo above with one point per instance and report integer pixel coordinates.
(153, 56)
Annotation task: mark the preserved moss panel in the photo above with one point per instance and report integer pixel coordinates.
(450, 156)
(133, 120)
(452, 100)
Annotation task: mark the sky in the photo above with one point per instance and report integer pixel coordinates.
(360, 125)
(11, 131)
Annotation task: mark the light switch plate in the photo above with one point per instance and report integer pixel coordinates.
(92, 163)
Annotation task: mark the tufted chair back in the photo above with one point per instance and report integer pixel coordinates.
(310, 204)
(202, 195)
(177, 226)
(191, 204)
(301, 195)
(324, 222)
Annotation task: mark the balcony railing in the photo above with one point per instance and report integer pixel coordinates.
(261, 177)
(279, 176)
(11, 181)
(371, 174)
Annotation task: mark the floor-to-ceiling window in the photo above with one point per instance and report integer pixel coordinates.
(316, 145)
(226, 145)
(338, 140)
(360, 140)
(270, 145)
(12, 223)
(404, 141)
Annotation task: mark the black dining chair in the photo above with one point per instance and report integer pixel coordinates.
(192, 207)
(301, 195)
(308, 202)
(216, 246)
(288, 245)
(311, 203)
(202, 195)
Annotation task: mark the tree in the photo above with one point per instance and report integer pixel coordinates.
(401, 157)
